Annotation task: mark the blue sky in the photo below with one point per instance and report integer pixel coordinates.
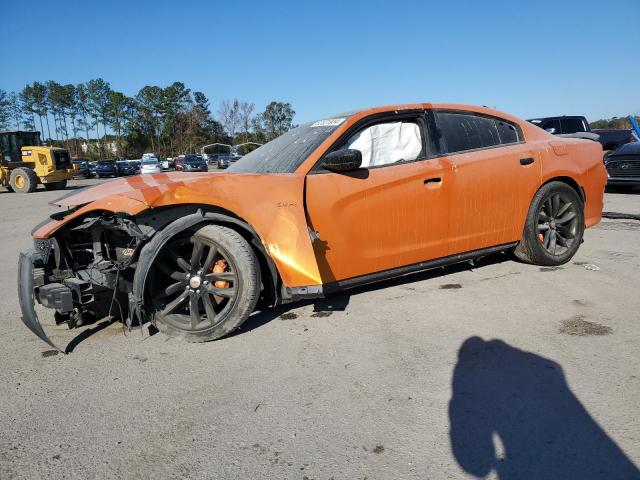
(529, 58)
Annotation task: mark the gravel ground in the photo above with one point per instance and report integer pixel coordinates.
(503, 370)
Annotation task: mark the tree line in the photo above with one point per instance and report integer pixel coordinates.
(93, 120)
(613, 122)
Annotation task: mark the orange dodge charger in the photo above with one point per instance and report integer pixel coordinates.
(329, 205)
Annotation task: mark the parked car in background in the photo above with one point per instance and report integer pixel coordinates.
(623, 165)
(83, 167)
(193, 163)
(167, 163)
(92, 168)
(563, 125)
(612, 138)
(107, 168)
(213, 157)
(329, 205)
(177, 162)
(128, 167)
(225, 161)
(150, 165)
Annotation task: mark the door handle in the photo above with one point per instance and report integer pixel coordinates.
(433, 180)
(527, 161)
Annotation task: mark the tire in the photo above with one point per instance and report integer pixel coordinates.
(554, 226)
(223, 300)
(56, 185)
(23, 180)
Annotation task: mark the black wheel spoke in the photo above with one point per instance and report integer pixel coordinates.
(221, 292)
(552, 242)
(173, 288)
(561, 240)
(567, 217)
(181, 262)
(174, 304)
(208, 308)
(563, 209)
(542, 227)
(548, 208)
(208, 263)
(545, 240)
(194, 311)
(543, 216)
(555, 205)
(196, 255)
(223, 276)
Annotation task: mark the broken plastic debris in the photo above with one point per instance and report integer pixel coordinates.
(591, 266)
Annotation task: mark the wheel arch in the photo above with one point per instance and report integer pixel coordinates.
(569, 181)
(184, 217)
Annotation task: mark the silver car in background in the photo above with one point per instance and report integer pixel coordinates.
(150, 165)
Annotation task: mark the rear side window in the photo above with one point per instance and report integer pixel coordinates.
(464, 131)
(508, 132)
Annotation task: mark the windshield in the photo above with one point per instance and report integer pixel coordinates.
(288, 151)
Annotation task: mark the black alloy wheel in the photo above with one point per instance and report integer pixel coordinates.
(204, 284)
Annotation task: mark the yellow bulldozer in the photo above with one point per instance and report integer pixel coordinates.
(24, 163)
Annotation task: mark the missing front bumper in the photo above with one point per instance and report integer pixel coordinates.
(27, 298)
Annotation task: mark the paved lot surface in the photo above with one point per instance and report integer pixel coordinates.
(505, 370)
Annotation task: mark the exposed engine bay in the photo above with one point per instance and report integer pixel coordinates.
(86, 271)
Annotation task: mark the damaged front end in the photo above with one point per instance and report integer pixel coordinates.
(83, 272)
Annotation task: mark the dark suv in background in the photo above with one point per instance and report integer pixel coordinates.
(609, 138)
(84, 168)
(562, 125)
(107, 168)
(192, 163)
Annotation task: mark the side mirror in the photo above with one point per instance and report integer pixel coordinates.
(550, 130)
(342, 160)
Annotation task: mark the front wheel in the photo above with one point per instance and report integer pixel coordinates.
(203, 285)
(554, 226)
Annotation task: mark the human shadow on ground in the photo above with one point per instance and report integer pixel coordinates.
(512, 412)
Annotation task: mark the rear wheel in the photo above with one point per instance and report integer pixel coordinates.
(56, 185)
(23, 180)
(554, 227)
(203, 285)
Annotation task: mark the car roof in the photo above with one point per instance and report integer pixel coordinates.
(557, 117)
(361, 112)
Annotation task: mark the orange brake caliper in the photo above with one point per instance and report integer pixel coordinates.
(219, 267)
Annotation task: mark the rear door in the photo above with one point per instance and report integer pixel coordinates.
(388, 214)
(494, 177)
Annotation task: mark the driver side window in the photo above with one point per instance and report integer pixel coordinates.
(387, 143)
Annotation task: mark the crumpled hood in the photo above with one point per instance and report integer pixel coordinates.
(145, 189)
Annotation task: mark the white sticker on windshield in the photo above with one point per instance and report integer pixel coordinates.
(329, 122)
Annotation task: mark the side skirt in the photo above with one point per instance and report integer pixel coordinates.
(291, 294)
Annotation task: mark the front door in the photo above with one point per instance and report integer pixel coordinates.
(390, 213)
